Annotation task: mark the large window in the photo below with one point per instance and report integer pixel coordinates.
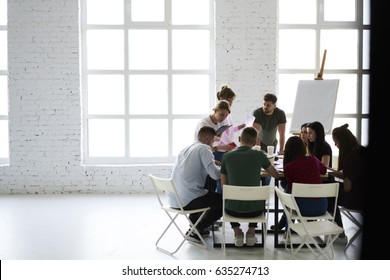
(306, 29)
(4, 145)
(148, 71)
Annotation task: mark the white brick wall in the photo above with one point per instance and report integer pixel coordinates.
(44, 93)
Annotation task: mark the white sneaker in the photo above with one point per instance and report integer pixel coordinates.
(239, 240)
(250, 240)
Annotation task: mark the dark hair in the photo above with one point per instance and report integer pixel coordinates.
(206, 130)
(225, 93)
(304, 125)
(249, 135)
(293, 148)
(270, 97)
(347, 142)
(222, 105)
(320, 136)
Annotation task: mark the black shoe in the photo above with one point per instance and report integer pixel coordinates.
(193, 237)
(281, 223)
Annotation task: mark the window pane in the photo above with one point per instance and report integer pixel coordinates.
(105, 12)
(183, 134)
(148, 94)
(297, 49)
(4, 150)
(288, 85)
(106, 94)
(141, 10)
(106, 138)
(3, 12)
(365, 94)
(297, 11)
(148, 49)
(3, 50)
(346, 102)
(105, 49)
(366, 49)
(3, 95)
(186, 43)
(148, 138)
(190, 94)
(364, 137)
(341, 46)
(336, 10)
(366, 12)
(190, 11)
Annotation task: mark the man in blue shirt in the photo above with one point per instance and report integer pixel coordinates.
(189, 173)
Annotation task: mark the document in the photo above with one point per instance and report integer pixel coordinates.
(249, 120)
(220, 130)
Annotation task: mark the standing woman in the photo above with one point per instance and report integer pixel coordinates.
(227, 137)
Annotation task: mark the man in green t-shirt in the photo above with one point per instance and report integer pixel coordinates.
(242, 167)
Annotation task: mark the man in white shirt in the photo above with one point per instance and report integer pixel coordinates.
(189, 173)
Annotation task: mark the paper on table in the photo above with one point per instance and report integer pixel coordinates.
(249, 120)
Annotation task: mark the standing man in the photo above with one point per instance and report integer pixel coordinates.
(242, 167)
(268, 120)
(189, 173)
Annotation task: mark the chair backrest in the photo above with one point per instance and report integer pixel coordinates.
(317, 190)
(287, 200)
(164, 185)
(233, 192)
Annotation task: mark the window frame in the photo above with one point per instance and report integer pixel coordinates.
(170, 117)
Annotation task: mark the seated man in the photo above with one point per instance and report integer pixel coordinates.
(242, 167)
(189, 173)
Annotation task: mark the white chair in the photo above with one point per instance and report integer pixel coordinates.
(245, 193)
(308, 230)
(163, 186)
(350, 215)
(318, 190)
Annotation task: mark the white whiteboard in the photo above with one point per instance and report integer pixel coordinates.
(315, 101)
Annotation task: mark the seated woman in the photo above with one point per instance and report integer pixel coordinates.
(299, 167)
(351, 168)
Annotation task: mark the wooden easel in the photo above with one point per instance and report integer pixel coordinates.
(319, 75)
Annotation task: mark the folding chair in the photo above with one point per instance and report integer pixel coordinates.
(349, 214)
(318, 190)
(309, 230)
(231, 192)
(163, 186)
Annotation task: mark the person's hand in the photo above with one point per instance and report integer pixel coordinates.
(227, 148)
(281, 153)
(217, 162)
(241, 126)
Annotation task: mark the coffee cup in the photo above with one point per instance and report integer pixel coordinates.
(270, 150)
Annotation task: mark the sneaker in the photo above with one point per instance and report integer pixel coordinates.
(193, 237)
(250, 240)
(239, 240)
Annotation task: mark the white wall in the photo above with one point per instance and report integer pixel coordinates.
(45, 97)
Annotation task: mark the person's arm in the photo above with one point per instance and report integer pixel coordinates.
(325, 160)
(272, 171)
(223, 180)
(282, 137)
(257, 126)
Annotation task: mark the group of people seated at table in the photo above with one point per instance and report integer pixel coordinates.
(306, 158)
